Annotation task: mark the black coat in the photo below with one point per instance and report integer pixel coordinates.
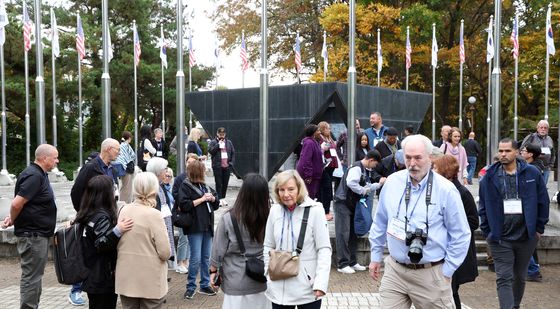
(214, 151)
(87, 172)
(384, 149)
(203, 219)
(468, 271)
(100, 254)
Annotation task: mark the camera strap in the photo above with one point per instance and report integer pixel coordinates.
(407, 193)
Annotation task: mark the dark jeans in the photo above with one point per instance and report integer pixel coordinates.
(221, 177)
(471, 168)
(511, 260)
(313, 305)
(102, 301)
(346, 239)
(326, 189)
(33, 255)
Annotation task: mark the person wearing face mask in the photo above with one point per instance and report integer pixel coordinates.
(419, 249)
(542, 140)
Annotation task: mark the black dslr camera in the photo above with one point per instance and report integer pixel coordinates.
(416, 241)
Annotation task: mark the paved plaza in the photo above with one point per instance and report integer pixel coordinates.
(345, 291)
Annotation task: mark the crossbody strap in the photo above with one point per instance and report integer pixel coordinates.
(237, 234)
(302, 230)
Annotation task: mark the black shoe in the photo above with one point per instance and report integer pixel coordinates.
(189, 294)
(535, 278)
(207, 291)
(491, 268)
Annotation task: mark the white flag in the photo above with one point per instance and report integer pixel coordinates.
(379, 53)
(549, 37)
(54, 35)
(110, 44)
(162, 50)
(434, 48)
(324, 53)
(490, 44)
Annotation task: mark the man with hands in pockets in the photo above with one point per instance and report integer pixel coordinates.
(421, 218)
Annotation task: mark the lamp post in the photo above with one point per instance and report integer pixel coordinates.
(472, 101)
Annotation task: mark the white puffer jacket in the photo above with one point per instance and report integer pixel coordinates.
(315, 258)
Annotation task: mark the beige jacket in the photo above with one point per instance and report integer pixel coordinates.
(142, 254)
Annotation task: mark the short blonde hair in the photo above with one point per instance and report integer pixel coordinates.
(283, 178)
(145, 188)
(195, 134)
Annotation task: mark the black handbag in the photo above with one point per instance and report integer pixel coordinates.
(130, 167)
(254, 267)
(181, 219)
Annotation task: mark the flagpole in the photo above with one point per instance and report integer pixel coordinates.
(53, 65)
(190, 77)
(242, 67)
(4, 130)
(433, 89)
(351, 85)
(134, 34)
(379, 65)
(162, 89)
(515, 118)
(80, 118)
(558, 154)
(407, 41)
(489, 105)
(27, 120)
(263, 95)
(297, 70)
(324, 66)
(461, 85)
(496, 76)
(39, 80)
(546, 78)
(180, 96)
(105, 77)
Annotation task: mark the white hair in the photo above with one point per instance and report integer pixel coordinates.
(543, 122)
(156, 165)
(428, 147)
(107, 143)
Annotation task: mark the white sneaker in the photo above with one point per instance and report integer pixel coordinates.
(181, 269)
(346, 270)
(358, 267)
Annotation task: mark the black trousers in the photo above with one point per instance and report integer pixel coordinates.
(221, 176)
(102, 301)
(313, 305)
(326, 189)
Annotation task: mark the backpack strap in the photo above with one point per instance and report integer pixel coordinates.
(237, 234)
(193, 187)
(303, 229)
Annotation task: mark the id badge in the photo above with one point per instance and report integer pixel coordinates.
(513, 207)
(159, 153)
(545, 150)
(165, 211)
(223, 155)
(332, 151)
(396, 229)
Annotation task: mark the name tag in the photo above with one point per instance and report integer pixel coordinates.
(545, 150)
(396, 229)
(513, 207)
(159, 153)
(224, 155)
(165, 211)
(332, 152)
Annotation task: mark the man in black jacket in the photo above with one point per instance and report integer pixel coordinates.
(223, 159)
(390, 144)
(473, 150)
(100, 165)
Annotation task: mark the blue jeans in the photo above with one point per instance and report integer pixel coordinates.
(546, 174)
(76, 288)
(183, 247)
(201, 247)
(534, 268)
(471, 168)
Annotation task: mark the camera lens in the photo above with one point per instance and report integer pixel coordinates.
(415, 250)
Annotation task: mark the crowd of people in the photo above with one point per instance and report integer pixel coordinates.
(271, 248)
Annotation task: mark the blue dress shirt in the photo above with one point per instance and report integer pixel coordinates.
(448, 235)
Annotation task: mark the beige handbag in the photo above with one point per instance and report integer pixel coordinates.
(284, 264)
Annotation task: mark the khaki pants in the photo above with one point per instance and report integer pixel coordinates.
(425, 288)
(141, 303)
(126, 188)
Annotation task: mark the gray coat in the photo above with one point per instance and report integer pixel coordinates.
(226, 254)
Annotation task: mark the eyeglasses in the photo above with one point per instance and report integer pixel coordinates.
(168, 176)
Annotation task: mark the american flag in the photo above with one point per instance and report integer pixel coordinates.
(297, 52)
(243, 54)
(408, 51)
(80, 39)
(137, 48)
(461, 46)
(515, 38)
(27, 26)
(192, 59)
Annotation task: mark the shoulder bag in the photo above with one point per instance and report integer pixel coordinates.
(254, 267)
(284, 264)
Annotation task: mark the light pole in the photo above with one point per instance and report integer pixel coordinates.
(472, 101)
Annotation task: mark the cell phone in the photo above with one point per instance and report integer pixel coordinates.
(217, 280)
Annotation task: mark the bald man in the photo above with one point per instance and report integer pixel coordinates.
(33, 214)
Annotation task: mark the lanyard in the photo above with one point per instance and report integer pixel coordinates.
(291, 224)
(408, 186)
(429, 185)
(516, 185)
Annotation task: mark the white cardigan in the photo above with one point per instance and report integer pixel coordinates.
(315, 258)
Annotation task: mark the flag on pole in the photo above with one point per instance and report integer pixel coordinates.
(192, 59)
(243, 54)
(110, 44)
(324, 53)
(137, 48)
(490, 43)
(163, 50)
(434, 49)
(54, 35)
(216, 52)
(408, 52)
(27, 28)
(461, 47)
(80, 39)
(379, 53)
(515, 38)
(297, 51)
(3, 22)
(549, 37)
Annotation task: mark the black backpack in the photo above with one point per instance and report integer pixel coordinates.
(68, 255)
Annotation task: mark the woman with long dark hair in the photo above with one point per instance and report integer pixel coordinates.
(362, 146)
(250, 210)
(98, 216)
